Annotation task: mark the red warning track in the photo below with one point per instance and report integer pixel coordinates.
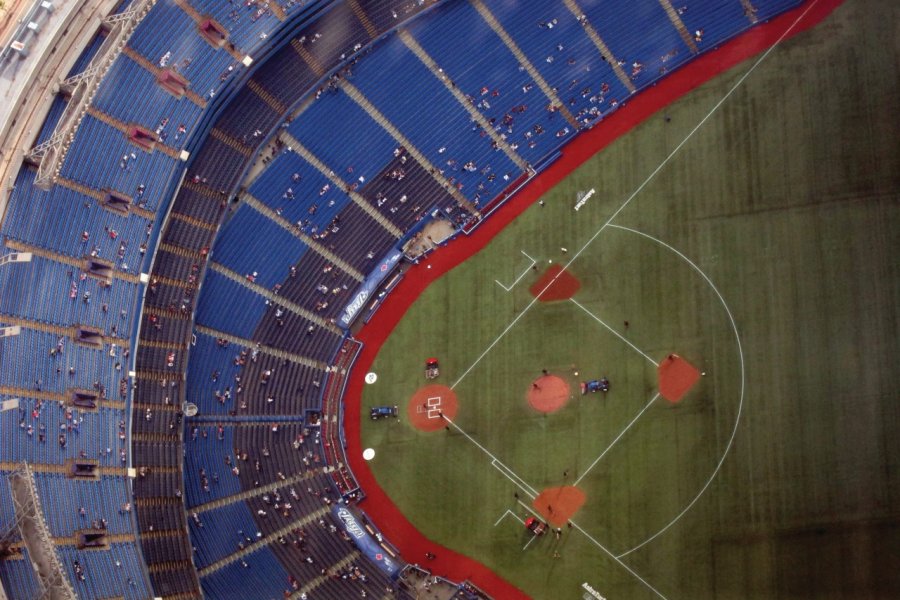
(378, 505)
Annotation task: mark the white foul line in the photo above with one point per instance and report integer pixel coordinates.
(519, 278)
(613, 331)
(618, 437)
(638, 190)
(708, 280)
(520, 483)
(495, 461)
(616, 558)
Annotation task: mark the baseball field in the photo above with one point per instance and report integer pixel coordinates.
(732, 272)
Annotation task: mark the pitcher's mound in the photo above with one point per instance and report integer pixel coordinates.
(555, 284)
(558, 504)
(428, 406)
(548, 393)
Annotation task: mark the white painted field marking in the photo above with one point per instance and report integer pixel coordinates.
(519, 278)
(496, 462)
(618, 437)
(708, 280)
(616, 558)
(524, 484)
(737, 420)
(614, 332)
(510, 514)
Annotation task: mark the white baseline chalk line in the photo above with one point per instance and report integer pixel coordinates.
(618, 437)
(614, 332)
(519, 278)
(496, 462)
(511, 514)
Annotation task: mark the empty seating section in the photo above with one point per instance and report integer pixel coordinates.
(645, 53)
(169, 37)
(208, 476)
(228, 306)
(54, 293)
(249, 118)
(103, 502)
(334, 36)
(31, 434)
(263, 578)
(431, 118)
(84, 59)
(109, 170)
(18, 577)
(113, 573)
(405, 193)
(131, 94)
(769, 8)
(557, 45)
(286, 76)
(492, 80)
(252, 243)
(357, 238)
(221, 531)
(79, 226)
(318, 280)
(292, 450)
(344, 137)
(248, 24)
(27, 364)
(387, 15)
(7, 508)
(717, 19)
(288, 331)
(315, 201)
(273, 387)
(211, 375)
(56, 110)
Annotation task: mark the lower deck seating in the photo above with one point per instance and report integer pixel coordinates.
(18, 577)
(258, 575)
(117, 572)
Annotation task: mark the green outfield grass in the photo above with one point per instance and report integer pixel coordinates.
(788, 200)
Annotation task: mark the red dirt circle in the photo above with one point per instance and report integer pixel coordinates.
(548, 393)
(429, 405)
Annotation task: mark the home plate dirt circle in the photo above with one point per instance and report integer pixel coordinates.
(427, 407)
(548, 393)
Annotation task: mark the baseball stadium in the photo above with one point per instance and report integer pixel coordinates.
(449, 299)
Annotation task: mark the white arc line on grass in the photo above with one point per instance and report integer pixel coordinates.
(616, 558)
(638, 190)
(618, 437)
(737, 420)
(613, 331)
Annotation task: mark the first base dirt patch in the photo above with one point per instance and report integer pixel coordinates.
(555, 284)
